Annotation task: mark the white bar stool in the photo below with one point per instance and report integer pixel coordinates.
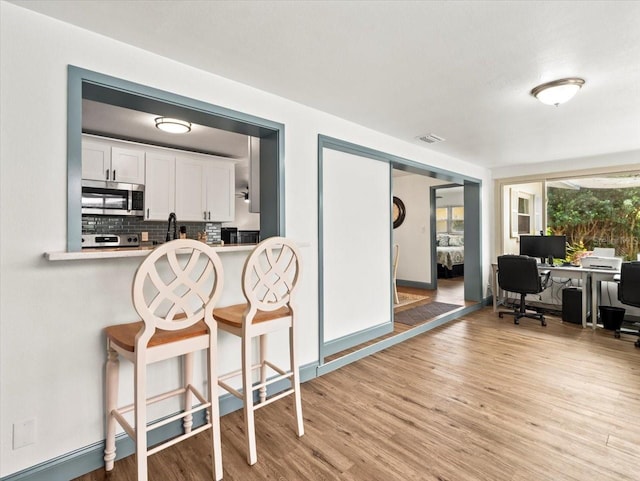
(269, 278)
(174, 292)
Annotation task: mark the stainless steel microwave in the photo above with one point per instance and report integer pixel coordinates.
(112, 198)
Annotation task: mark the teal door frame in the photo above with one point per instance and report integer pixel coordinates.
(472, 201)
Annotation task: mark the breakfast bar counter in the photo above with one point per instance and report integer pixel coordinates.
(113, 253)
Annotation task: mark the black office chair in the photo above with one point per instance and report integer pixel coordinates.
(520, 274)
(629, 290)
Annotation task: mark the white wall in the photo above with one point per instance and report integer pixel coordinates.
(52, 313)
(357, 259)
(450, 196)
(413, 236)
(244, 220)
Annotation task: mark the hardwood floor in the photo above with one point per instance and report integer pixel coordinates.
(476, 399)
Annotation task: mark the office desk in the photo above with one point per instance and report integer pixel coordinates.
(569, 272)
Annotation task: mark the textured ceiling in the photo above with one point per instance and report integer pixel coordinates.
(461, 70)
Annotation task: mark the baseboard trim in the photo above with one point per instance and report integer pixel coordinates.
(416, 284)
(89, 458)
(350, 340)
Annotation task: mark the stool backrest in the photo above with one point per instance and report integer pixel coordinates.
(271, 273)
(177, 285)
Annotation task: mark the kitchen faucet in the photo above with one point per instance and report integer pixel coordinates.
(173, 217)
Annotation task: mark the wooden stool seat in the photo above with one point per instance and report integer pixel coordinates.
(234, 315)
(124, 335)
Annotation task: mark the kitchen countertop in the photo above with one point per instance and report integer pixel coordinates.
(112, 252)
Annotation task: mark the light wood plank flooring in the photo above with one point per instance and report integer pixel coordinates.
(477, 399)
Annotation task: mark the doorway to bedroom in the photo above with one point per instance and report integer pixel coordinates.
(449, 229)
(427, 211)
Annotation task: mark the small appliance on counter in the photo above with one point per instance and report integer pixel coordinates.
(110, 240)
(229, 235)
(248, 236)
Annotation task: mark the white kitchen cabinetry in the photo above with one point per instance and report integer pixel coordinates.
(127, 165)
(160, 185)
(109, 160)
(196, 187)
(190, 190)
(205, 189)
(220, 188)
(96, 159)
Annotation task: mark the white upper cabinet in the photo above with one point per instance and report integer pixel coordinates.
(108, 160)
(160, 185)
(220, 188)
(127, 165)
(205, 189)
(96, 159)
(190, 190)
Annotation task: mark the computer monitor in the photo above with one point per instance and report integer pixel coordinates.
(547, 247)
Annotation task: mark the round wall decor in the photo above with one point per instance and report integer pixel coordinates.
(398, 212)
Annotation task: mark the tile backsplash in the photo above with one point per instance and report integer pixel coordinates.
(104, 224)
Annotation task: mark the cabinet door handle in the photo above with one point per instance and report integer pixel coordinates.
(114, 175)
(107, 174)
(147, 213)
(209, 215)
(205, 215)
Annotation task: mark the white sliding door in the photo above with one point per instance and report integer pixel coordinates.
(356, 224)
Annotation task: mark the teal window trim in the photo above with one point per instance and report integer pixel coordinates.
(84, 83)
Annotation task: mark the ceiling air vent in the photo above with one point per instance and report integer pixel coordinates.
(431, 138)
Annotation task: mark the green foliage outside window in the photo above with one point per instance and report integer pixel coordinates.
(596, 218)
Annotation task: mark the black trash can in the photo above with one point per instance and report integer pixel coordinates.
(611, 317)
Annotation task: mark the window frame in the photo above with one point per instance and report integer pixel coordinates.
(449, 219)
(503, 223)
(516, 215)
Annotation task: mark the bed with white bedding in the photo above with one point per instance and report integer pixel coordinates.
(450, 250)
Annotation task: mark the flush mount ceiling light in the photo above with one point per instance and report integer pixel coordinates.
(558, 91)
(173, 126)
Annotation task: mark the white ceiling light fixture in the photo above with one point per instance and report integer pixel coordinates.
(173, 126)
(558, 91)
